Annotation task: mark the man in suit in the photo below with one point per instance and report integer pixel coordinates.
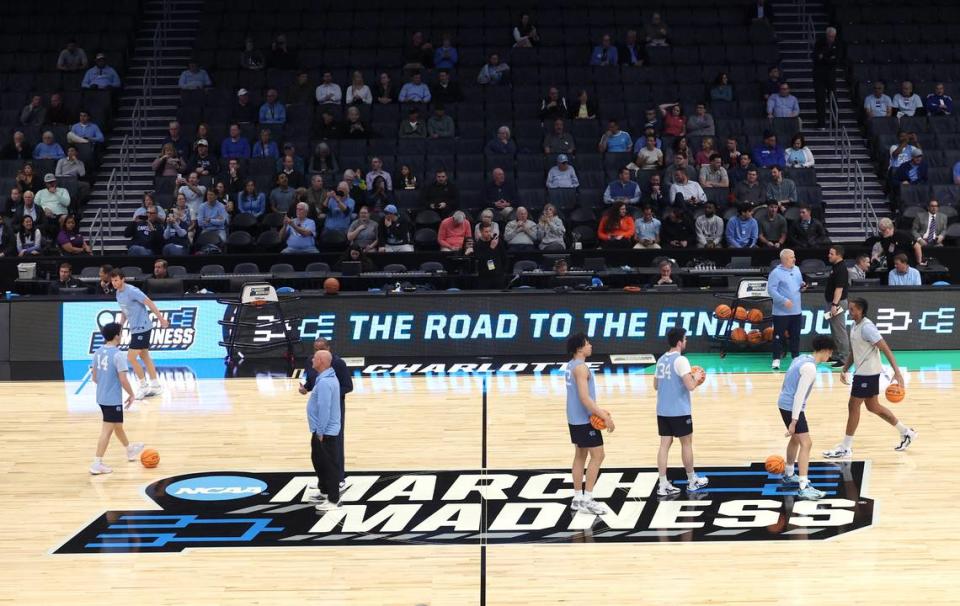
(346, 386)
(930, 226)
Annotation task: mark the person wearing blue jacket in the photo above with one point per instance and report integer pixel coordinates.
(785, 285)
(323, 417)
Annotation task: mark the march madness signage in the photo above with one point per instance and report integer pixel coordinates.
(239, 509)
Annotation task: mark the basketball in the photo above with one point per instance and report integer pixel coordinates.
(150, 458)
(768, 334)
(895, 393)
(331, 286)
(740, 314)
(755, 336)
(738, 335)
(723, 312)
(597, 423)
(755, 316)
(699, 374)
(775, 464)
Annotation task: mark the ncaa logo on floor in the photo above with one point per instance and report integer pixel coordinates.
(216, 488)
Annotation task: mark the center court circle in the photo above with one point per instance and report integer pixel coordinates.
(216, 488)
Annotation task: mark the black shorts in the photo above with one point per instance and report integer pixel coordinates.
(801, 422)
(585, 436)
(140, 340)
(675, 426)
(865, 386)
(112, 414)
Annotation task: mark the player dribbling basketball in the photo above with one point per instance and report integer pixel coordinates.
(587, 441)
(673, 383)
(109, 372)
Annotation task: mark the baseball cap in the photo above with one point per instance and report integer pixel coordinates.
(100, 56)
(242, 92)
(49, 178)
(562, 159)
(202, 142)
(916, 153)
(390, 209)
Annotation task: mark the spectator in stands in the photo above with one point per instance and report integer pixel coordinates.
(281, 55)
(562, 176)
(354, 253)
(65, 279)
(773, 82)
(33, 113)
(647, 229)
(930, 226)
(299, 232)
(363, 231)
(454, 233)
(168, 163)
(323, 161)
(651, 120)
(499, 193)
(677, 230)
(415, 91)
(357, 93)
(251, 201)
(685, 191)
(376, 170)
(225, 197)
(212, 215)
(769, 153)
(272, 111)
(665, 276)
(413, 127)
(28, 208)
(235, 146)
(327, 127)
(27, 179)
(251, 58)
(862, 267)
(900, 153)
(742, 228)
(706, 152)
(378, 196)
(879, 104)
(70, 240)
(700, 124)
(418, 55)
(913, 172)
(300, 90)
(105, 286)
(145, 234)
(340, 208)
(317, 196)
(551, 230)
(48, 148)
(440, 125)
(721, 90)
(798, 155)
(101, 75)
(674, 124)
(783, 104)
(584, 108)
(807, 232)
(655, 194)
(656, 30)
(521, 234)
(72, 58)
(679, 147)
(713, 175)
(649, 157)
(750, 190)
(384, 91)
(902, 274)
(780, 188)
(281, 197)
(709, 227)
(615, 140)
(605, 53)
(890, 242)
(491, 259)
(72, 166)
(243, 112)
(265, 147)
(8, 205)
(939, 103)
(202, 163)
(176, 239)
(502, 144)
(29, 238)
(494, 71)
(441, 196)
(55, 201)
(149, 203)
(393, 234)
(486, 218)
(160, 270)
(679, 163)
(525, 33)
(193, 192)
(57, 113)
(328, 91)
(559, 141)
(354, 127)
(906, 102)
(731, 154)
(445, 56)
(630, 52)
(773, 227)
(617, 229)
(18, 148)
(194, 78)
(826, 58)
(446, 90)
(553, 106)
(86, 131)
(622, 190)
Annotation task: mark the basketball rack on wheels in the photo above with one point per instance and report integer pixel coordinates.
(258, 311)
(741, 309)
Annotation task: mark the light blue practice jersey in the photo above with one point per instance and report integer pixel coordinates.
(673, 397)
(109, 360)
(131, 301)
(577, 413)
(790, 382)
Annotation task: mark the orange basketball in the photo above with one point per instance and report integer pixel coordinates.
(768, 334)
(775, 464)
(699, 374)
(740, 313)
(723, 312)
(331, 286)
(755, 336)
(738, 335)
(150, 458)
(597, 423)
(895, 393)
(755, 316)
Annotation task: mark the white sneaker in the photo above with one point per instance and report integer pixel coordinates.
(594, 507)
(154, 389)
(906, 440)
(775, 365)
(343, 484)
(698, 484)
(134, 450)
(667, 490)
(327, 506)
(839, 452)
(315, 496)
(142, 392)
(810, 494)
(99, 468)
(576, 503)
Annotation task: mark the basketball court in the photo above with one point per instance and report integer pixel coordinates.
(482, 425)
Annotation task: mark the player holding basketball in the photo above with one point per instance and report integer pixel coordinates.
(673, 382)
(110, 374)
(797, 385)
(865, 347)
(133, 306)
(587, 441)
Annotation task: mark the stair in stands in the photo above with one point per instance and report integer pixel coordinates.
(843, 220)
(181, 30)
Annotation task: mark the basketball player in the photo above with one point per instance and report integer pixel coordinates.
(673, 383)
(323, 417)
(133, 306)
(587, 441)
(110, 375)
(797, 385)
(865, 347)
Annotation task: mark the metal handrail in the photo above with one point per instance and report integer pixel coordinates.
(868, 214)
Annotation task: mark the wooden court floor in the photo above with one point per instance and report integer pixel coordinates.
(909, 556)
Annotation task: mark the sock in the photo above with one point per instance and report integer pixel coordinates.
(663, 480)
(98, 460)
(789, 470)
(692, 477)
(577, 494)
(804, 482)
(902, 428)
(155, 382)
(848, 442)
(587, 495)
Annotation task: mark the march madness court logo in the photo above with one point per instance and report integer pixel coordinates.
(239, 509)
(179, 336)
